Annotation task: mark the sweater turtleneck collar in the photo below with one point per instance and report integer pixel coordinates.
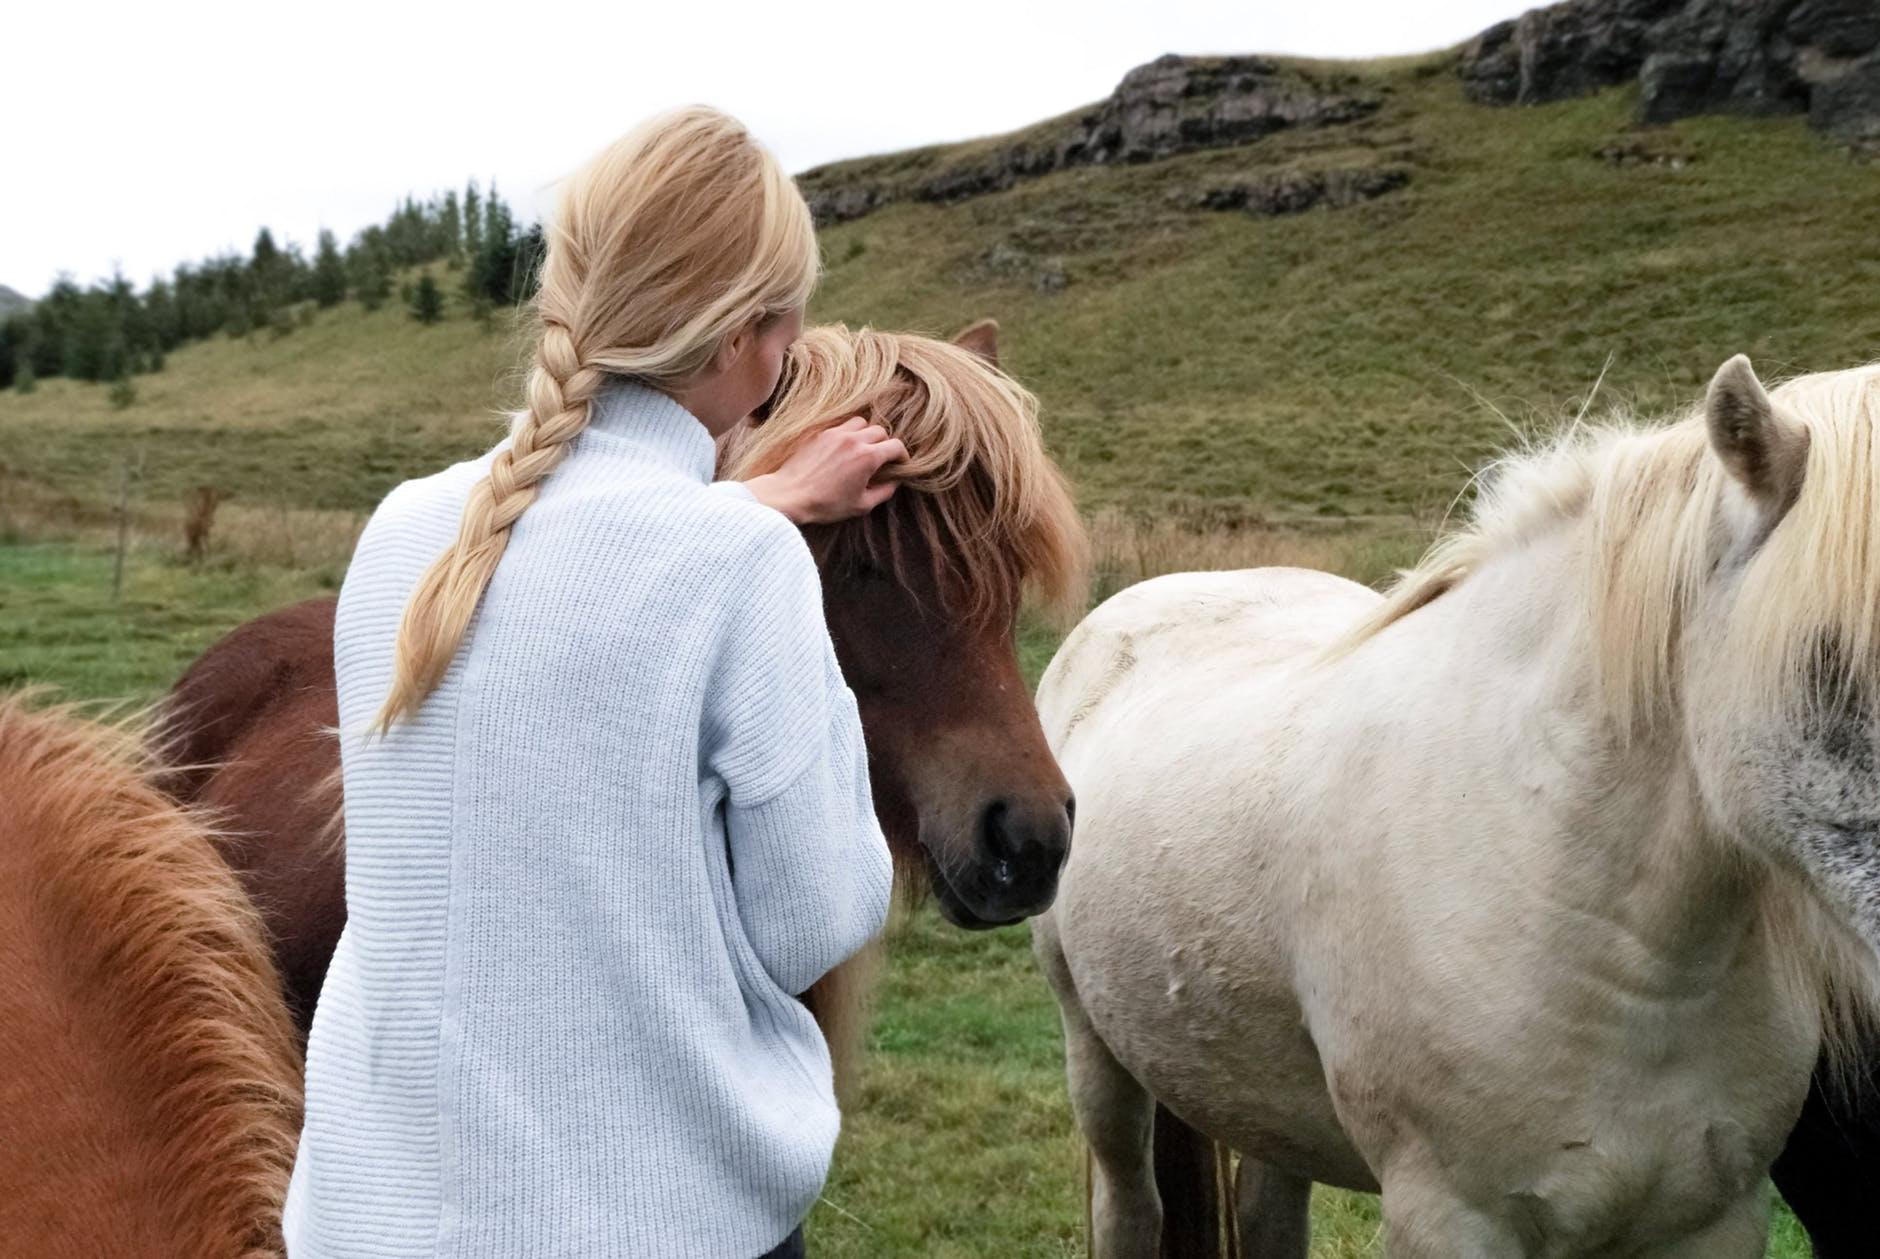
(655, 423)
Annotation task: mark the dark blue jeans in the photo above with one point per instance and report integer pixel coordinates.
(790, 1247)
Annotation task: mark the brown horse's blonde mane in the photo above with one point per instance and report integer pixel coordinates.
(131, 896)
(977, 486)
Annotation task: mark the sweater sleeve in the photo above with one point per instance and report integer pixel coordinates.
(736, 489)
(810, 868)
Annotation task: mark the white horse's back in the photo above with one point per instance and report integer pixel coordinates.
(1192, 627)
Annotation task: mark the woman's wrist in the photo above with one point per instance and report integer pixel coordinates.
(830, 476)
(773, 491)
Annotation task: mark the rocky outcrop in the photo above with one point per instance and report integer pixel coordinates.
(1819, 57)
(1178, 104)
(1172, 105)
(1291, 191)
(1560, 51)
(1009, 261)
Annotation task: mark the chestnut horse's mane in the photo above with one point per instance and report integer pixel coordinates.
(124, 888)
(977, 485)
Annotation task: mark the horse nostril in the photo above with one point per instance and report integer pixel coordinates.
(1070, 810)
(1001, 845)
(1023, 842)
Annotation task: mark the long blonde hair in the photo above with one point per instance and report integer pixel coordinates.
(667, 242)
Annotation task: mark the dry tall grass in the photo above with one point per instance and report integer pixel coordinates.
(246, 533)
(1126, 549)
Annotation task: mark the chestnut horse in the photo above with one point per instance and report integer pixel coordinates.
(149, 1080)
(921, 597)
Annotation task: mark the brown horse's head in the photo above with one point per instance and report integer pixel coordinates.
(922, 597)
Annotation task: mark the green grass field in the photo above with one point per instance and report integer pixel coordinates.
(1222, 389)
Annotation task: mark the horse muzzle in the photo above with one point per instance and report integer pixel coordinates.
(1004, 866)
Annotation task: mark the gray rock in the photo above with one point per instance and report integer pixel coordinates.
(1006, 260)
(1848, 104)
(842, 202)
(1172, 105)
(1292, 191)
(1179, 104)
(1564, 50)
(1689, 57)
(1721, 56)
(1638, 150)
(1839, 28)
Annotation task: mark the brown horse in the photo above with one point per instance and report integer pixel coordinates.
(149, 1080)
(921, 597)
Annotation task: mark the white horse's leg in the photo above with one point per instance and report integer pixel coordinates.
(1274, 1209)
(1117, 1118)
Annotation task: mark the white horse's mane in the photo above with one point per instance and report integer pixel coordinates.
(1649, 498)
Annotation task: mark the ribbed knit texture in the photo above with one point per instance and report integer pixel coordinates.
(584, 882)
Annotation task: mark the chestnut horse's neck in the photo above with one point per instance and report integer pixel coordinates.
(149, 1085)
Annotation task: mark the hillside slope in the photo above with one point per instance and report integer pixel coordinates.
(1238, 365)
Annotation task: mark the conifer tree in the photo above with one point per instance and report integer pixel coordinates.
(427, 300)
(370, 265)
(161, 315)
(329, 272)
(450, 229)
(270, 273)
(472, 221)
(495, 273)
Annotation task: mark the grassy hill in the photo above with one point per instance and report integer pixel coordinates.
(1313, 386)
(1329, 364)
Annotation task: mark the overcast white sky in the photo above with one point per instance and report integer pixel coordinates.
(145, 134)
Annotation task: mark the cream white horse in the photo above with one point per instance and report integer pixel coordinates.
(1522, 895)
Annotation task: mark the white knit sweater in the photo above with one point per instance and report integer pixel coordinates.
(584, 882)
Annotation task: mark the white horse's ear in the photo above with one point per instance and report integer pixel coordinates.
(1762, 449)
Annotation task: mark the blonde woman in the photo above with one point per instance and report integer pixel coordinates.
(607, 807)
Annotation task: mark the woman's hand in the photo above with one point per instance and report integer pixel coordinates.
(827, 479)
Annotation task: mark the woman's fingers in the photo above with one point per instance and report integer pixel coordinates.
(829, 476)
(887, 451)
